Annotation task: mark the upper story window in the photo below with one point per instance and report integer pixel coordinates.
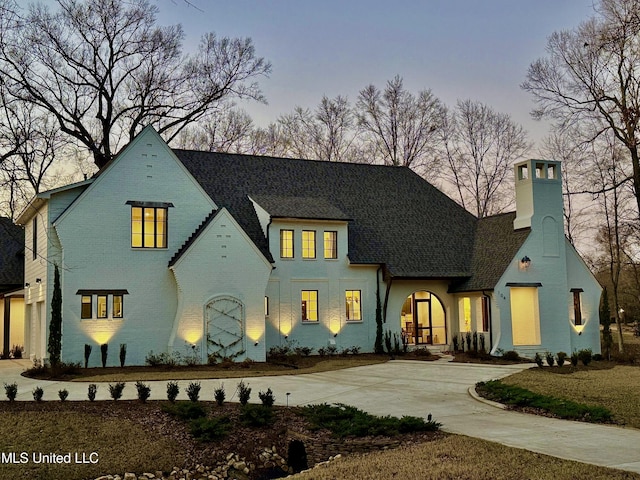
(286, 243)
(353, 305)
(330, 244)
(577, 306)
(149, 224)
(308, 244)
(309, 305)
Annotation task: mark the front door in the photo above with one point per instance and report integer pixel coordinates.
(423, 319)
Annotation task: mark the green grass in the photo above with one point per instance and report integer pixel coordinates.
(521, 397)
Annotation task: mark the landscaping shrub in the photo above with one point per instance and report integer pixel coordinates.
(511, 355)
(193, 391)
(144, 391)
(38, 393)
(267, 398)
(454, 339)
(475, 341)
(322, 351)
(172, 391)
(550, 359)
(331, 350)
(561, 357)
(467, 337)
(11, 391)
(219, 395)
(38, 368)
(422, 352)
(16, 352)
(185, 410)
(244, 393)
(521, 397)
(256, 415)
(303, 351)
(585, 356)
(538, 359)
(91, 393)
(104, 350)
(574, 359)
(210, 429)
(355, 350)
(482, 343)
(162, 359)
(63, 394)
(87, 354)
(116, 390)
(597, 357)
(123, 353)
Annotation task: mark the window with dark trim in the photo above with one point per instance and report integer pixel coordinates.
(330, 244)
(485, 314)
(577, 306)
(102, 306)
(353, 305)
(102, 303)
(309, 302)
(286, 243)
(118, 306)
(86, 306)
(149, 227)
(308, 244)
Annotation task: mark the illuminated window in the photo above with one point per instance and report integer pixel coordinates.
(353, 305)
(577, 306)
(525, 316)
(117, 306)
(148, 227)
(286, 243)
(330, 244)
(308, 244)
(85, 310)
(309, 305)
(102, 306)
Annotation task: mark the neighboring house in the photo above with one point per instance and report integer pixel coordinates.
(222, 255)
(11, 287)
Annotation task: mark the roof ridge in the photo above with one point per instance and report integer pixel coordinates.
(192, 237)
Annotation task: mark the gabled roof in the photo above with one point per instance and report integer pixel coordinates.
(11, 255)
(496, 244)
(185, 246)
(396, 217)
(317, 208)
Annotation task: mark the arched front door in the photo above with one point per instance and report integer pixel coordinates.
(225, 328)
(423, 319)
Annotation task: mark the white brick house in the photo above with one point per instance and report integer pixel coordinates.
(228, 255)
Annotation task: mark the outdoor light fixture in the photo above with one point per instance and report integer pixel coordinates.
(27, 285)
(255, 344)
(193, 346)
(525, 262)
(286, 336)
(38, 280)
(335, 335)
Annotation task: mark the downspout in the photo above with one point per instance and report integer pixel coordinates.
(485, 295)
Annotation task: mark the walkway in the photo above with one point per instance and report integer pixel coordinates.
(406, 388)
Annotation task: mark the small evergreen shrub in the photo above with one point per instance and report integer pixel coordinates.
(468, 338)
(162, 359)
(267, 398)
(355, 350)
(193, 391)
(585, 356)
(561, 358)
(474, 340)
(303, 351)
(123, 353)
(574, 359)
(332, 350)
(244, 393)
(104, 350)
(538, 359)
(210, 429)
(185, 410)
(144, 391)
(551, 360)
(482, 343)
(219, 395)
(256, 415)
(387, 342)
(11, 391)
(511, 355)
(598, 357)
(454, 339)
(91, 393)
(63, 394)
(116, 390)
(322, 351)
(173, 389)
(87, 354)
(38, 393)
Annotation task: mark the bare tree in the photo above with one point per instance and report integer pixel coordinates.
(104, 70)
(402, 128)
(592, 72)
(480, 147)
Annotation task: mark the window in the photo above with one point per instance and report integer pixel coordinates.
(525, 316)
(309, 305)
(353, 305)
(148, 227)
(117, 306)
(266, 306)
(330, 244)
(308, 244)
(577, 306)
(85, 311)
(286, 243)
(34, 242)
(485, 314)
(102, 306)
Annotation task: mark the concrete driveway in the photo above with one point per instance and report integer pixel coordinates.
(406, 388)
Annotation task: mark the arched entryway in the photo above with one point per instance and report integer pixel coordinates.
(225, 328)
(423, 319)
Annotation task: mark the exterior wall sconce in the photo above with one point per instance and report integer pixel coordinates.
(27, 285)
(255, 344)
(525, 262)
(193, 346)
(286, 336)
(38, 280)
(335, 335)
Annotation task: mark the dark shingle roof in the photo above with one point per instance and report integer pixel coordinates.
(397, 218)
(318, 208)
(496, 243)
(11, 255)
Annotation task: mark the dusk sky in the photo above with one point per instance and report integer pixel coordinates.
(458, 48)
